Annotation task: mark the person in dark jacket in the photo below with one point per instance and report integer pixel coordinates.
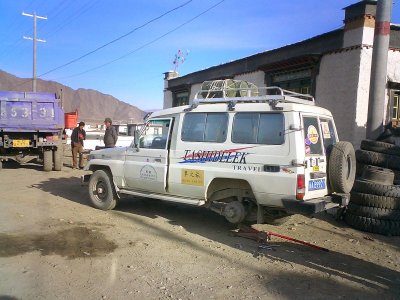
(77, 137)
(111, 135)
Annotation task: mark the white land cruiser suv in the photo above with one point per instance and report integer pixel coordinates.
(248, 153)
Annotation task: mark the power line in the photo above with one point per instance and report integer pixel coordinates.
(117, 39)
(14, 26)
(58, 9)
(145, 45)
(75, 15)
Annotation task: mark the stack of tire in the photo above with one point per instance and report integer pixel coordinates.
(375, 198)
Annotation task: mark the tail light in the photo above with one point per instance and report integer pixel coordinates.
(301, 187)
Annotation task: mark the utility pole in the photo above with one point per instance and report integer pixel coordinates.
(378, 78)
(34, 39)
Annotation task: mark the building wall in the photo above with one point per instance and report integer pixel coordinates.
(393, 75)
(337, 88)
(258, 78)
(193, 90)
(394, 65)
(167, 99)
(343, 88)
(359, 31)
(363, 95)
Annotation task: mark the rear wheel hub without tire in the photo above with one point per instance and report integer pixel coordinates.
(235, 212)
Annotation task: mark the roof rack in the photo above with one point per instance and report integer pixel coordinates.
(249, 95)
(239, 91)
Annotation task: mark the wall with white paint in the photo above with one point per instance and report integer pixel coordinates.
(336, 89)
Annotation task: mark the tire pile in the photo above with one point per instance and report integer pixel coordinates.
(375, 198)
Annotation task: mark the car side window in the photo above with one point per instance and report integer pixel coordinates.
(258, 128)
(205, 127)
(155, 135)
(328, 132)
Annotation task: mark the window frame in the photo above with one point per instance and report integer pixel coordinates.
(170, 120)
(258, 127)
(177, 101)
(320, 138)
(205, 126)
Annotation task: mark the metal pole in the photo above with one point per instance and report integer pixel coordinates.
(34, 39)
(378, 78)
(34, 54)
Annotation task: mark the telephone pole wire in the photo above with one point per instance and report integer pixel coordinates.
(34, 39)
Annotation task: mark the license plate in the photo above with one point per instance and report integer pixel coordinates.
(318, 184)
(20, 143)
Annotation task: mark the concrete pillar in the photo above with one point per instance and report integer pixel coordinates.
(167, 94)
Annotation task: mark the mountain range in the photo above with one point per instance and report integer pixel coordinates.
(92, 106)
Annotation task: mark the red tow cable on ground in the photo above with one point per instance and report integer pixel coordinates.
(264, 236)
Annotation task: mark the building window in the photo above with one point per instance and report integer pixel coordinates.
(395, 109)
(180, 99)
(295, 81)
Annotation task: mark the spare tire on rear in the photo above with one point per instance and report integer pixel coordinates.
(342, 167)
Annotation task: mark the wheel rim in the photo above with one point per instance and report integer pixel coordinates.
(235, 212)
(100, 191)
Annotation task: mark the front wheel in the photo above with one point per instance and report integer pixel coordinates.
(101, 190)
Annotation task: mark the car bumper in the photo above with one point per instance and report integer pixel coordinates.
(316, 205)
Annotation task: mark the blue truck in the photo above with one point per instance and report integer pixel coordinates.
(31, 128)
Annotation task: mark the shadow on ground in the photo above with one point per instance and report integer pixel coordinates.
(69, 188)
(33, 165)
(365, 275)
(14, 165)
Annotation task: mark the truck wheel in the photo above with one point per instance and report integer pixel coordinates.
(375, 200)
(378, 175)
(378, 159)
(368, 187)
(58, 155)
(47, 160)
(101, 190)
(376, 146)
(373, 225)
(374, 212)
(342, 167)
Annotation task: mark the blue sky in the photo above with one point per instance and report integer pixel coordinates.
(231, 30)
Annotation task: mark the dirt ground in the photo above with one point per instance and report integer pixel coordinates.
(54, 245)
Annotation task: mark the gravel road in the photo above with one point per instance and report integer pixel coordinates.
(54, 245)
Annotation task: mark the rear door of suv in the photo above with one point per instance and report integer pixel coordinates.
(316, 184)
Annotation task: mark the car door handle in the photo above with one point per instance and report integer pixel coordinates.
(157, 159)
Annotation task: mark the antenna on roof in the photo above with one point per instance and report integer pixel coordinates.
(180, 58)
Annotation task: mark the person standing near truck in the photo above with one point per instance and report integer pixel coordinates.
(77, 137)
(111, 135)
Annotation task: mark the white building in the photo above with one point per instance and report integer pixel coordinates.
(335, 67)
